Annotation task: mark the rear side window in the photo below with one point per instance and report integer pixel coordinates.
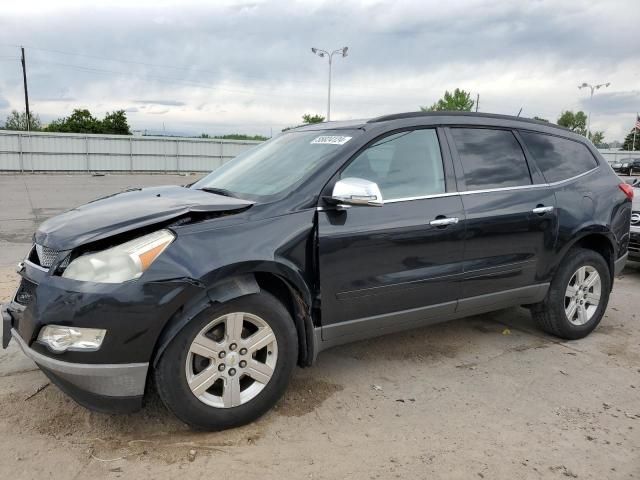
(558, 158)
(490, 158)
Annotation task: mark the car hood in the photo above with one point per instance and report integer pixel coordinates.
(127, 211)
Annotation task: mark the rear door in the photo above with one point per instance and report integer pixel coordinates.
(387, 268)
(511, 217)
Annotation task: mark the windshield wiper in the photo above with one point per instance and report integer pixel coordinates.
(218, 191)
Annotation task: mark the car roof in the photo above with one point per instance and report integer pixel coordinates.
(474, 118)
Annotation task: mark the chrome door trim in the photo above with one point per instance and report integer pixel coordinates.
(488, 190)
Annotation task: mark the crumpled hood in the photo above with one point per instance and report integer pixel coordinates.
(129, 210)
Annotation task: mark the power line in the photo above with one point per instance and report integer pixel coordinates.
(147, 64)
(198, 70)
(173, 80)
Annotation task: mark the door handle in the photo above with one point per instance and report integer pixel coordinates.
(542, 210)
(443, 222)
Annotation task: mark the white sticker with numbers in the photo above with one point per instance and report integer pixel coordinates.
(331, 140)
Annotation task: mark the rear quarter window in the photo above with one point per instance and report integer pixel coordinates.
(558, 158)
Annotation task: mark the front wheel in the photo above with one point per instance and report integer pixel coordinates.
(578, 296)
(230, 365)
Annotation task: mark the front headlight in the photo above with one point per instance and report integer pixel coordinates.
(122, 262)
(60, 339)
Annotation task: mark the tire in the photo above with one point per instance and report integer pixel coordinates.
(552, 314)
(234, 398)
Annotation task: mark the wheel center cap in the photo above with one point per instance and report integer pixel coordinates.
(232, 359)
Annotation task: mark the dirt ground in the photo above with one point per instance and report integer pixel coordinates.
(484, 397)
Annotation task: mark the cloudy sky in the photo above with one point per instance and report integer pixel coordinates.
(245, 66)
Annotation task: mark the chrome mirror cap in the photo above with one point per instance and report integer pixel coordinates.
(357, 191)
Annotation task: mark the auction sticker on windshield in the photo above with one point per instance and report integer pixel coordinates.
(331, 139)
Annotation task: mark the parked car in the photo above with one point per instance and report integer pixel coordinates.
(626, 166)
(326, 234)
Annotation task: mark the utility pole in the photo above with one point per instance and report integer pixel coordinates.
(26, 92)
(477, 101)
(324, 53)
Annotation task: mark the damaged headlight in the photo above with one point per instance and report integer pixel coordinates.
(60, 339)
(122, 262)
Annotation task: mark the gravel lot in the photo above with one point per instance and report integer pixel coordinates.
(484, 397)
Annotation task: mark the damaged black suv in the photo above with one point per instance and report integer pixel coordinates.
(326, 234)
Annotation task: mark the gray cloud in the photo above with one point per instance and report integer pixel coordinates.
(251, 59)
(613, 102)
(4, 103)
(167, 103)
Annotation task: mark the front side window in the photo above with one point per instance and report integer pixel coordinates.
(490, 158)
(405, 164)
(277, 165)
(558, 158)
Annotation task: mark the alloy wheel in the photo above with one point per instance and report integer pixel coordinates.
(231, 360)
(582, 296)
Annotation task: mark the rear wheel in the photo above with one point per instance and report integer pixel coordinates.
(578, 296)
(230, 364)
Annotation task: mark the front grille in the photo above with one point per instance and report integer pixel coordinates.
(46, 257)
(634, 243)
(635, 219)
(26, 292)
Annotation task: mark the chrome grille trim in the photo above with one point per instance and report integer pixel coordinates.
(48, 256)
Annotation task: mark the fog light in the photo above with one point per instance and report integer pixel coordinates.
(60, 339)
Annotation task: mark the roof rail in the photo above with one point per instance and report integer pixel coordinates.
(399, 116)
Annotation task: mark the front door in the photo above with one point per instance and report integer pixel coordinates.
(392, 267)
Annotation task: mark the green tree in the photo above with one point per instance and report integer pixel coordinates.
(115, 123)
(240, 136)
(597, 138)
(459, 100)
(628, 141)
(576, 122)
(18, 121)
(82, 121)
(235, 136)
(308, 118)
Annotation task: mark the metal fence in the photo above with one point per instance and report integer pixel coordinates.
(613, 155)
(68, 152)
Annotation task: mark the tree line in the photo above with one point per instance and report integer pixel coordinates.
(80, 121)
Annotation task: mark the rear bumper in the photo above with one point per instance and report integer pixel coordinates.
(112, 388)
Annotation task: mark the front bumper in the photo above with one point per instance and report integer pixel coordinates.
(111, 379)
(112, 388)
(634, 244)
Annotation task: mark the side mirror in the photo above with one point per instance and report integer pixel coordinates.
(356, 191)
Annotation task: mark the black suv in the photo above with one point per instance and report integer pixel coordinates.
(326, 234)
(626, 166)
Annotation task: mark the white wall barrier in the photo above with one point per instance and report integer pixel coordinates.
(70, 152)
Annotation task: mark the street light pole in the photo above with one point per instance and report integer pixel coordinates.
(592, 88)
(324, 53)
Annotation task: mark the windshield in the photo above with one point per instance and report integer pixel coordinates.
(276, 165)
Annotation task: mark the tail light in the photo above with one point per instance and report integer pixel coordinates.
(627, 189)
